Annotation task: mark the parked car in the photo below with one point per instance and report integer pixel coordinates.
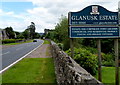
(34, 40)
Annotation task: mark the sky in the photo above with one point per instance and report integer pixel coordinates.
(44, 13)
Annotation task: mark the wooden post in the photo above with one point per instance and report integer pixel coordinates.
(116, 62)
(99, 60)
(72, 47)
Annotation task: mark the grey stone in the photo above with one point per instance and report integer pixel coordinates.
(68, 72)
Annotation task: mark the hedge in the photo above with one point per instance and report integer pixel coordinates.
(11, 41)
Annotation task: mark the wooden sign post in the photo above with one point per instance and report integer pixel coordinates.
(116, 62)
(72, 47)
(95, 22)
(99, 60)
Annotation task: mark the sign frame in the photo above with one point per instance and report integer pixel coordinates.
(82, 15)
(93, 25)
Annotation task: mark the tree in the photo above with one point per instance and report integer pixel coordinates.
(61, 33)
(17, 33)
(20, 36)
(61, 29)
(32, 30)
(37, 35)
(26, 34)
(10, 33)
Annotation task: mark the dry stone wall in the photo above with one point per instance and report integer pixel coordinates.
(68, 72)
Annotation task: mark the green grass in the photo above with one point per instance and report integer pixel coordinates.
(108, 75)
(31, 70)
(18, 43)
(46, 42)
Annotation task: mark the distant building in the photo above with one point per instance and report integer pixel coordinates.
(46, 31)
(3, 34)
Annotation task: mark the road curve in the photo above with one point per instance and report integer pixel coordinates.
(12, 54)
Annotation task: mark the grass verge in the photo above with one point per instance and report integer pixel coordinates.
(108, 75)
(31, 70)
(46, 42)
(18, 43)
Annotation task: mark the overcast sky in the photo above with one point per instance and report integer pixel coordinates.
(44, 13)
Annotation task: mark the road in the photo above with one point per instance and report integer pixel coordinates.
(12, 54)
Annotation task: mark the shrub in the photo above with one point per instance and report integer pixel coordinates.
(108, 59)
(92, 50)
(60, 45)
(8, 41)
(66, 44)
(108, 63)
(11, 41)
(19, 40)
(86, 59)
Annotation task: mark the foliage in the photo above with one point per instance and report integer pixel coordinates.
(66, 44)
(10, 33)
(50, 35)
(91, 49)
(86, 59)
(60, 45)
(26, 34)
(31, 30)
(20, 36)
(61, 29)
(108, 59)
(19, 42)
(109, 44)
(36, 35)
(17, 33)
(89, 42)
(60, 34)
(8, 41)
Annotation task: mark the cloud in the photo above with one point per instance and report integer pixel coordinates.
(16, 25)
(11, 19)
(14, 0)
(1, 11)
(47, 12)
(10, 13)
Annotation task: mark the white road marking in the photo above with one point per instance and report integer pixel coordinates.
(19, 48)
(19, 59)
(5, 53)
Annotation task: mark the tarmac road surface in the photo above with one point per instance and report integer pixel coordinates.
(12, 54)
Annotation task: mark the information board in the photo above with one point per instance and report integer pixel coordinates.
(93, 15)
(94, 32)
(93, 22)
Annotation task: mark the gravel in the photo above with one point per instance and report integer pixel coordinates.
(44, 51)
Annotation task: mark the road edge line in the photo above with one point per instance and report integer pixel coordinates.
(19, 59)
